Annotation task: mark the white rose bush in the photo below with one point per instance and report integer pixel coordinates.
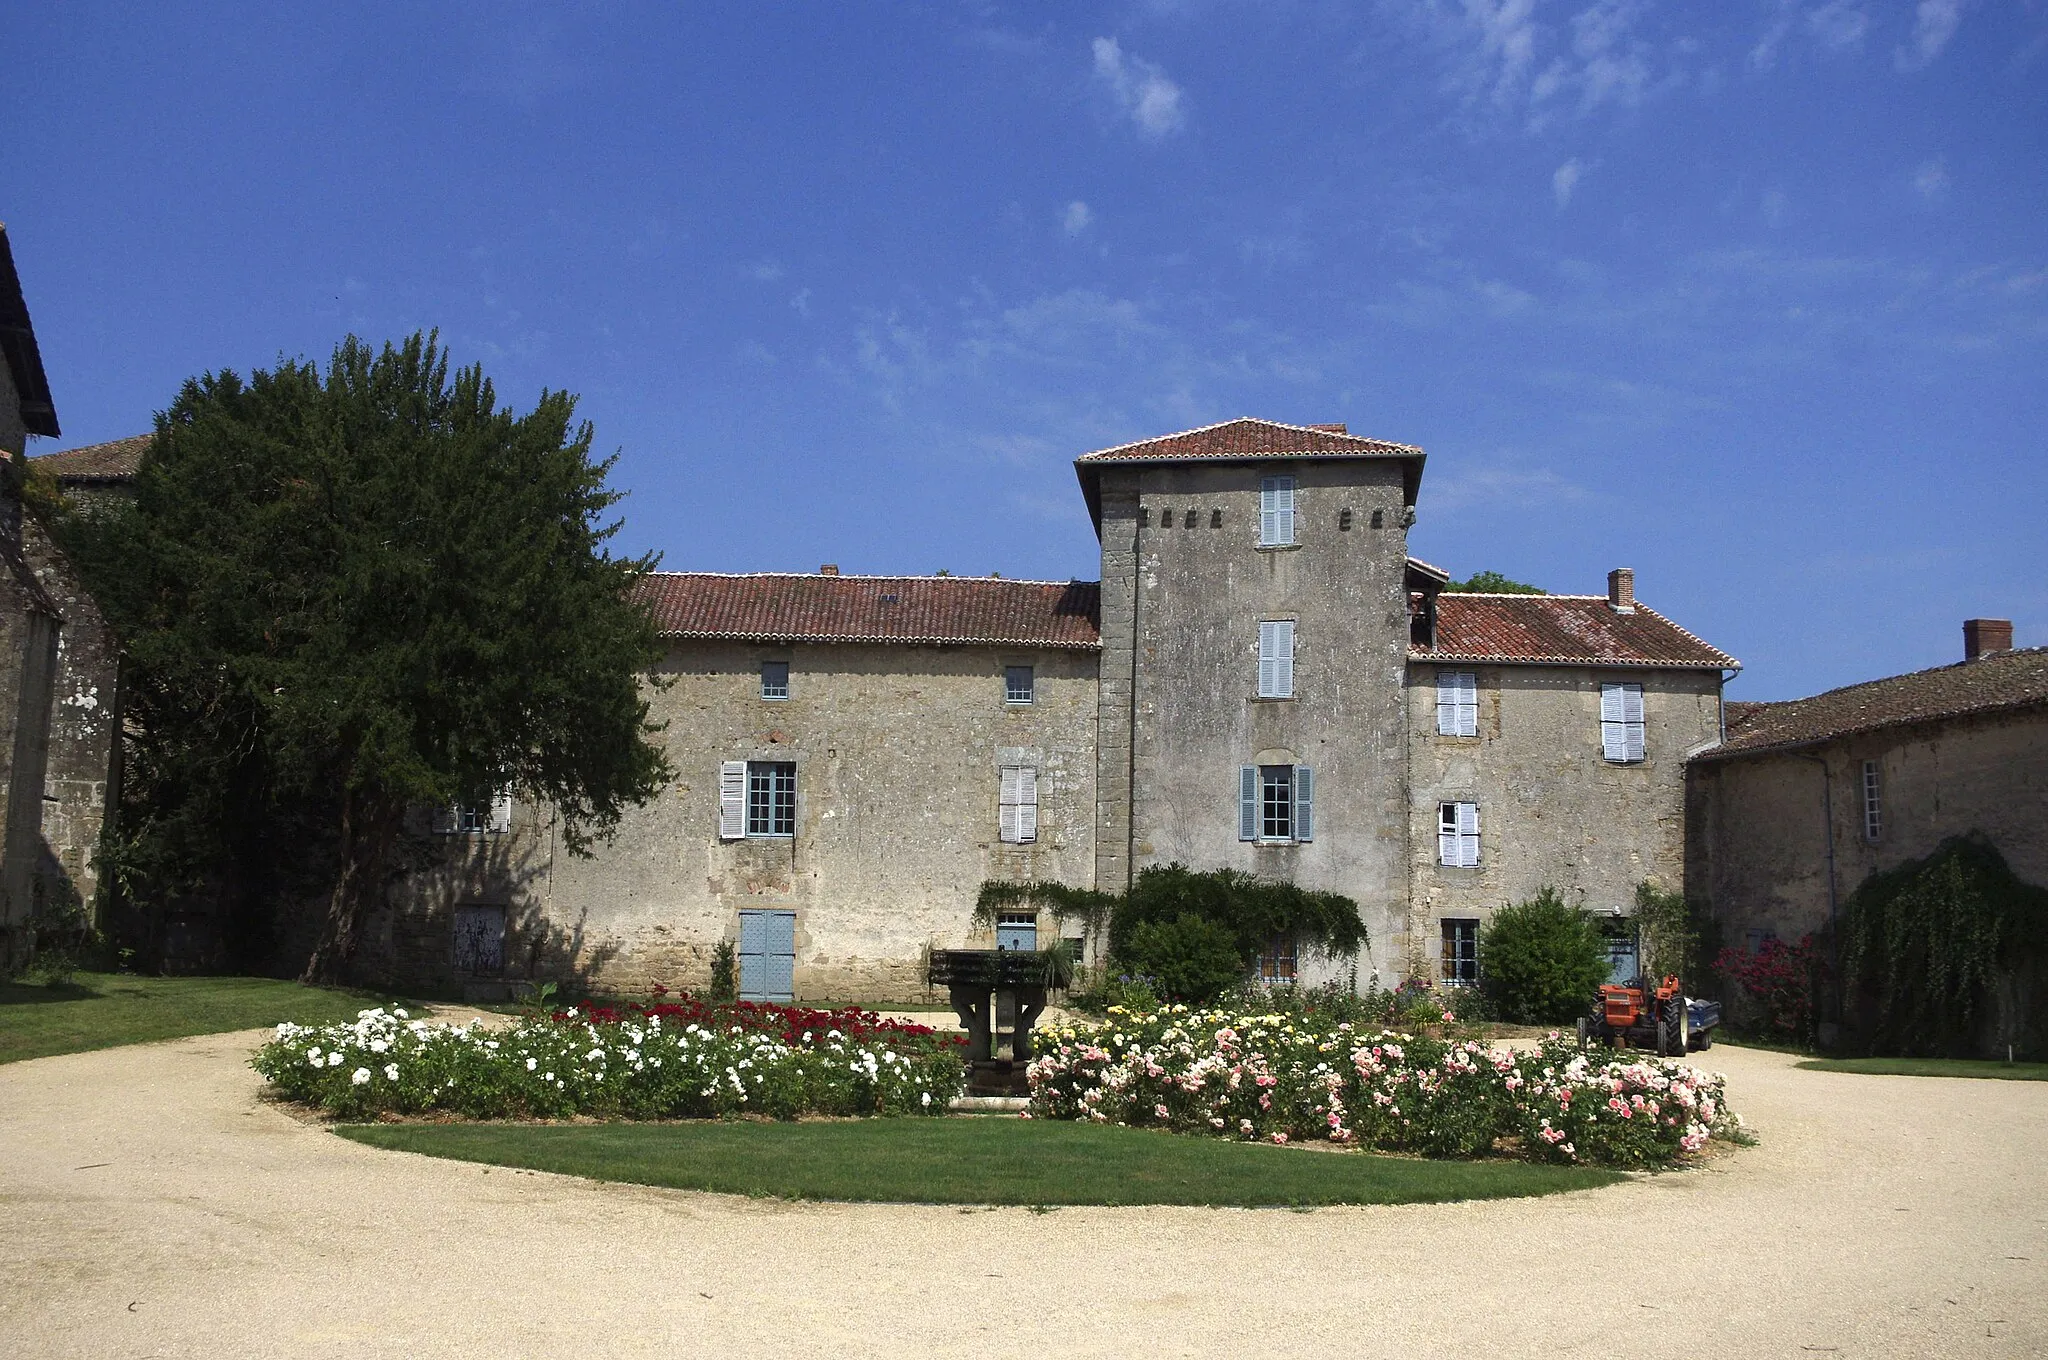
(1285, 1078)
(648, 1063)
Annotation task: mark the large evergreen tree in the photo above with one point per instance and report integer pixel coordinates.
(342, 595)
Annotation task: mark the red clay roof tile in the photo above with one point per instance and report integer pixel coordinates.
(117, 460)
(1562, 630)
(904, 609)
(1249, 438)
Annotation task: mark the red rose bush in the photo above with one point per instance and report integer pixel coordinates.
(1279, 1078)
(676, 1060)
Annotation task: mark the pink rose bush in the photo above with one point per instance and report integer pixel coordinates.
(639, 1066)
(1276, 1078)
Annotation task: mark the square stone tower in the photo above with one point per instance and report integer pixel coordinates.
(1254, 644)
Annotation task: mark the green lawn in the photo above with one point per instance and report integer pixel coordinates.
(1931, 1067)
(106, 1010)
(971, 1161)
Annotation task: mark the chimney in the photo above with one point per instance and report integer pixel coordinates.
(1983, 636)
(1621, 590)
(829, 569)
(1336, 427)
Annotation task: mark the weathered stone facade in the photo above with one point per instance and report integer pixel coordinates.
(1554, 812)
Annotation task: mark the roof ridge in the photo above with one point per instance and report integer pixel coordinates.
(858, 576)
(1904, 675)
(1681, 628)
(1360, 439)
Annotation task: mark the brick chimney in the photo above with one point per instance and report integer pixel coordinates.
(1986, 635)
(829, 569)
(1621, 590)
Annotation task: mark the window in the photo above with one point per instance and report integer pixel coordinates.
(475, 819)
(1457, 704)
(1461, 953)
(1190, 522)
(774, 679)
(1017, 930)
(1017, 805)
(1621, 723)
(1276, 659)
(1276, 961)
(1276, 512)
(1215, 519)
(756, 798)
(1873, 813)
(1457, 835)
(1019, 685)
(1276, 803)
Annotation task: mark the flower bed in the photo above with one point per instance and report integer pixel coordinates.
(1281, 1078)
(676, 1060)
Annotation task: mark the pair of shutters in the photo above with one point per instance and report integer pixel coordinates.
(1276, 511)
(767, 955)
(1621, 722)
(1276, 659)
(1457, 835)
(460, 817)
(1017, 807)
(1457, 704)
(1250, 809)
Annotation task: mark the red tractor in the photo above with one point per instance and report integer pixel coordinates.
(1648, 1013)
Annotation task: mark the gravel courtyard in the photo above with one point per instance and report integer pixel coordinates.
(155, 1207)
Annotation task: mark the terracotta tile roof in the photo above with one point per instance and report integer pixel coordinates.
(1562, 630)
(115, 461)
(905, 609)
(1248, 438)
(2001, 682)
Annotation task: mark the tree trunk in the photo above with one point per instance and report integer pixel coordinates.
(367, 825)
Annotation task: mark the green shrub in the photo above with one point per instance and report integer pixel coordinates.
(724, 972)
(1189, 958)
(1541, 961)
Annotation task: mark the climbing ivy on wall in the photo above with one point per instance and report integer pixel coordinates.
(1926, 944)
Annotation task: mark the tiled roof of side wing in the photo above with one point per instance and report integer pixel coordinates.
(1998, 683)
(117, 460)
(904, 609)
(1563, 630)
(1249, 438)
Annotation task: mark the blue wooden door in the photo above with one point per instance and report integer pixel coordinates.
(767, 955)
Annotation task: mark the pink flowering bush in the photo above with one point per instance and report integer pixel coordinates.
(1278, 1078)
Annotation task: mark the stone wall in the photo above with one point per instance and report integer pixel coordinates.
(1195, 598)
(1758, 827)
(84, 721)
(898, 751)
(1553, 812)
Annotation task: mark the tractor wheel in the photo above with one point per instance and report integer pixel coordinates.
(1585, 1033)
(1702, 1040)
(1671, 1030)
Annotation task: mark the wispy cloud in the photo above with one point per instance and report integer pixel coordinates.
(1501, 480)
(1564, 180)
(764, 271)
(1076, 218)
(1934, 23)
(1141, 90)
(1930, 179)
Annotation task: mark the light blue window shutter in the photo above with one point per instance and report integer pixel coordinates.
(732, 800)
(1632, 721)
(753, 956)
(1304, 803)
(1269, 511)
(1613, 725)
(1248, 803)
(1468, 835)
(1447, 834)
(1283, 659)
(1447, 703)
(1468, 703)
(781, 955)
(1285, 510)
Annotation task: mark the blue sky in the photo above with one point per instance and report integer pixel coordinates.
(1752, 297)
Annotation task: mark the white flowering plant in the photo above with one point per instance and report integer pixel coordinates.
(640, 1067)
(1283, 1078)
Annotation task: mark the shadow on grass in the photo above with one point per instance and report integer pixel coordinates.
(972, 1161)
(38, 994)
(1931, 1067)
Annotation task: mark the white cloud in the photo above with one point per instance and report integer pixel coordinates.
(1837, 25)
(764, 271)
(1076, 218)
(1931, 178)
(802, 302)
(1934, 23)
(1565, 179)
(1141, 89)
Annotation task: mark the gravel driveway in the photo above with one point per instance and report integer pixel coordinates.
(154, 1207)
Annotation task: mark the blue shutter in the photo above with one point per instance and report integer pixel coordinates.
(1304, 803)
(767, 955)
(1248, 803)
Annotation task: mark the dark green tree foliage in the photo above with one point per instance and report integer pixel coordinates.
(1670, 940)
(344, 595)
(1927, 944)
(1493, 583)
(1542, 961)
(1180, 926)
